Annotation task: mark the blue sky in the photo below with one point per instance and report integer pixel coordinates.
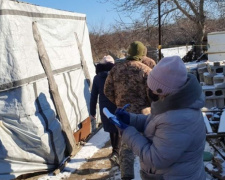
(98, 14)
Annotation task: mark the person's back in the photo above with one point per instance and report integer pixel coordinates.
(127, 84)
(102, 70)
(99, 82)
(127, 81)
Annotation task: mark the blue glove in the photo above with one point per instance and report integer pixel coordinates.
(123, 115)
(118, 123)
(113, 119)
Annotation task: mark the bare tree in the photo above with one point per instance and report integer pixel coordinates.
(196, 11)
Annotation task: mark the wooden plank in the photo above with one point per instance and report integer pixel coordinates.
(62, 166)
(214, 135)
(221, 128)
(67, 131)
(83, 63)
(216, 145)
(207, 124)
(84, 132)
(204, 109)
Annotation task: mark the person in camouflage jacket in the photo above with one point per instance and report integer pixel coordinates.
(126, 83)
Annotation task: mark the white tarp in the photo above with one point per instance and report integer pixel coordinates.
(31, 137)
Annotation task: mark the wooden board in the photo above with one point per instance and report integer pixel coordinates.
(66, 128)
(84, 131)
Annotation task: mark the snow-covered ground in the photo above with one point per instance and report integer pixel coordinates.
(179, 51)
(89, 149)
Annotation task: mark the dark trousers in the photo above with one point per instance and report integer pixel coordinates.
(115, 142)
(126, 162)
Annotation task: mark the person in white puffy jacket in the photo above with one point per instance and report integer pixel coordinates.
(170, 141)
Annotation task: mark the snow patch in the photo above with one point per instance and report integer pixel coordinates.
(89, 149)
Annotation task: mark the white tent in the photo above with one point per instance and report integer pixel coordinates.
(31, 136)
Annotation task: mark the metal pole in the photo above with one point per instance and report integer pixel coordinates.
(159, 22)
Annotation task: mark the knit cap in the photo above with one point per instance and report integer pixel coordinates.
(107, 59)
(136, 50)
(168, 76)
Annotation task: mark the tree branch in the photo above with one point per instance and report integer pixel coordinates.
(183, 11)
(195, 11)
(169, 11)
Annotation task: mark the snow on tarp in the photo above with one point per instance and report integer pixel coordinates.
(31, 136)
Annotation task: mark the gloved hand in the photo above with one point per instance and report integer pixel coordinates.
(122, 115)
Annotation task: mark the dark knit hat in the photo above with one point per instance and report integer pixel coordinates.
(136, 51)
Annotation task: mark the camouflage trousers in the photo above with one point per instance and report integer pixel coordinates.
(126, 162)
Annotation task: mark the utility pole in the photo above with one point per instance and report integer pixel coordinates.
(159, 22)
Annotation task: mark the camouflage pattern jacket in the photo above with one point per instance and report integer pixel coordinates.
(127, 84)
(148, 61)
